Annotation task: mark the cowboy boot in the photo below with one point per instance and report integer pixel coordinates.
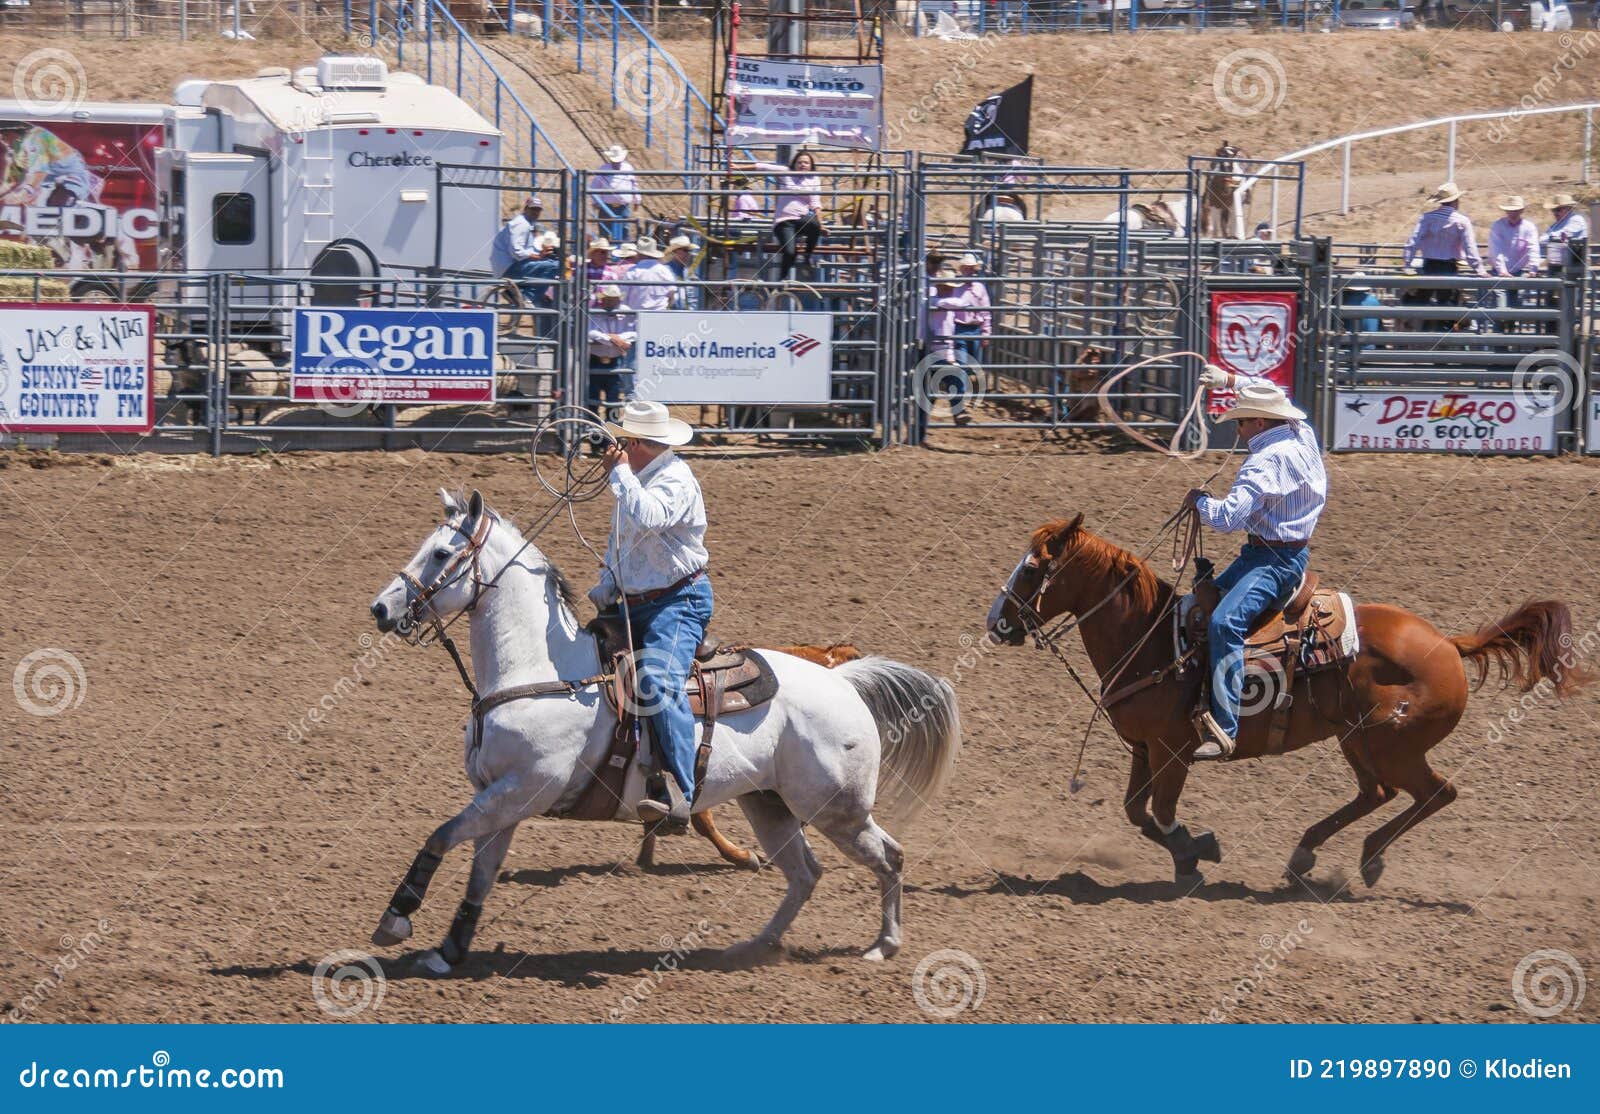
(1215, 743)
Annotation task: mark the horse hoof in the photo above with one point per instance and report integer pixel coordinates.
(752, 953)
(1188, 872)
(1206, 847)
(432, 963)
(753, 861)
(882, 950)
(1372, 870)
(392, 929)
(1301, 862)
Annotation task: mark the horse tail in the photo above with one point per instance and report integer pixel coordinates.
(1530, 646)
(919, 730)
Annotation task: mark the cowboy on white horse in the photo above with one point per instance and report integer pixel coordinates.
(655, 566)
(1277, 497)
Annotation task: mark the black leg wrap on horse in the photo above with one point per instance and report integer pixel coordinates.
(462, 929)
(408, 896)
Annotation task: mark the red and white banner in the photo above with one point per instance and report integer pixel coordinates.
(1399, 421)
(1252, 333)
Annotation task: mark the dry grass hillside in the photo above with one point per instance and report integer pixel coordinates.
(1145, 100)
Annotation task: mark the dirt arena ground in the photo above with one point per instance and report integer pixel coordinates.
(173, 856)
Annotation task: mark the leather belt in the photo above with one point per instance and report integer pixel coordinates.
(1255, 540)
(657, 593)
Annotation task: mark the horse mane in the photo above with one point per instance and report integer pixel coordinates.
(564, 589)
(1066, 540)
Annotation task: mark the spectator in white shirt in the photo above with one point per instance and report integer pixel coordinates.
(650, 283)
(613, 331)
(1513, 245)
(513, 249)
(615, 190)
(1570, 227)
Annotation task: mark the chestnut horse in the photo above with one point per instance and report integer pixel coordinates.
(831, 655)
(1405, 689)
(1217, 191)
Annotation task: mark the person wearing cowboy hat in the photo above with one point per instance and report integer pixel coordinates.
(1276, 499)
(1513, 244)
(1442, 239)
(513, 250)
(655, 566)
(649, 283)
(623, 257)
(946, 367)
(613, 331)
(1570, 226)
(615, 190)
(680, 261)
(973, 322)
(597, 262)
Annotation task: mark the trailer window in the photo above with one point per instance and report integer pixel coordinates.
(233, 218)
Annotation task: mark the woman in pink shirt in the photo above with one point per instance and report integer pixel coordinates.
(799, 208)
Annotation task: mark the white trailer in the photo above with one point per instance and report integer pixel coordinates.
(328, 171)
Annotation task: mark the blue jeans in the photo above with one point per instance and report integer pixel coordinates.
(524, 269)
(1260, 579)
(666, 632)
(615, 380)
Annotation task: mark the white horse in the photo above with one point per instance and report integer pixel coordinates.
(829, 747)
(1171, 215)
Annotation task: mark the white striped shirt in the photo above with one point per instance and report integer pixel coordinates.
(1280, 490)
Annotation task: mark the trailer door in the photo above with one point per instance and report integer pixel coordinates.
(226, 220)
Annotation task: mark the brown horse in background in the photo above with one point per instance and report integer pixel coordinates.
(1404, 691)
(1217, 193)
(833, 654)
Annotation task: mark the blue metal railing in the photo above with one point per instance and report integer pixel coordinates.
(1023, 17)
(645, 82)
(445, 54)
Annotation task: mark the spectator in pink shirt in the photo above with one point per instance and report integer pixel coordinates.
(1514, 245)
(974, 321)
(799, 213)
(945, 370)
(745, 205)
(1442, 240)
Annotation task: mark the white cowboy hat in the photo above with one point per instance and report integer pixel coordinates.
(970, 260)
(1262, 400)
(1449, 191)
(1363, 285)
(610, 290)
(679, 241)
(646, 246)
(544, 241)
(615, 153)
(947, 273)
(649, 421)
(1514, 203)
(1561, 201)
(600, 244)
(625, 250)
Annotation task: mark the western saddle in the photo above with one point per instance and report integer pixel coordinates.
(724, 678)
(1307, 635)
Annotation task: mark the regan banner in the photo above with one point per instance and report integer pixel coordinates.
(799, 102)
(735, 358)
(411, 356)
(76, 369)
(1252, 333)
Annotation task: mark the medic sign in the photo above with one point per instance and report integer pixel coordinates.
(1252, 333)
(1486, 422)
(77, 368)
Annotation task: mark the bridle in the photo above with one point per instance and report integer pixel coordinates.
(421, 629)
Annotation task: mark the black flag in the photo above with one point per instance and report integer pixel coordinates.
(1000, 122)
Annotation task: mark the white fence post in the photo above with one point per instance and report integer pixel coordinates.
(1588, 141)
(1450, 169)
(1344, 185)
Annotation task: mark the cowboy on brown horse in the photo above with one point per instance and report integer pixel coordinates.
(1277, 498)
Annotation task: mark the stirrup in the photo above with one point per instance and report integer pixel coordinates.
(661, 817)
(1215, 743)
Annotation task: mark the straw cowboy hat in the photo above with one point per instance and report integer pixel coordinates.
(615, 153)
(679, 241)
(646, 246)
(1262, 400)
(970, 260)
(947, 273)
(1362, 285)
(610, 290)
(625, 250)
(1448, 192)
(1514, 203)
(1562, 201)
(649, 421)
(600, 243)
